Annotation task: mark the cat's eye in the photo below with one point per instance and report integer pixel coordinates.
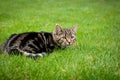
(72, 36)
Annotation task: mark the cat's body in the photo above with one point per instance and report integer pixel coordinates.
(36, 44)
(30, 43)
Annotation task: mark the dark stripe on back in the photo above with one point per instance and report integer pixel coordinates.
(31, 46)
(48, 37)
(12, 40)
(6, 43)
(30, 36)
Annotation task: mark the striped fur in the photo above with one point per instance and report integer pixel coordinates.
(36, 44)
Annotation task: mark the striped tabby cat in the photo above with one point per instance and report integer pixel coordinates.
(36, 44)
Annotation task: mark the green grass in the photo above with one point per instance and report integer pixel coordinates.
(96, 55)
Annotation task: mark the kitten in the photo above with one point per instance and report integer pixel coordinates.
(36, 44)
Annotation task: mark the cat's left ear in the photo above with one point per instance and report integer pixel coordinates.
(75, 28)
(58, 29)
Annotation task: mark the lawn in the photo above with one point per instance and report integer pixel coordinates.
(96, 55)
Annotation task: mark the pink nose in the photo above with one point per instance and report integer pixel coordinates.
(68, 40)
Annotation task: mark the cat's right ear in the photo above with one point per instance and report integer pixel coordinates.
(57, 29)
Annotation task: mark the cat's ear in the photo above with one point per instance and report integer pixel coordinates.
(58, 28)
(75, 28)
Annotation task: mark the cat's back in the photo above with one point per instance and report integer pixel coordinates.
(17, 40)
(20, 37)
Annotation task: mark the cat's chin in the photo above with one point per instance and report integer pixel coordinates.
(63, 47)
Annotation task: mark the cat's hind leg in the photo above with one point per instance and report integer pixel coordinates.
(35, 56)
(32, 54)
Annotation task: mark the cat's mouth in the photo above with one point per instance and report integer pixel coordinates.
(66, 45)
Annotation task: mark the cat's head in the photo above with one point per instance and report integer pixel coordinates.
(64, 36)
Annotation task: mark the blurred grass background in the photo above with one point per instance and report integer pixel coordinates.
(96, 55)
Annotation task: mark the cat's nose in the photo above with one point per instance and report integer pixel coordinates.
(68, 40)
